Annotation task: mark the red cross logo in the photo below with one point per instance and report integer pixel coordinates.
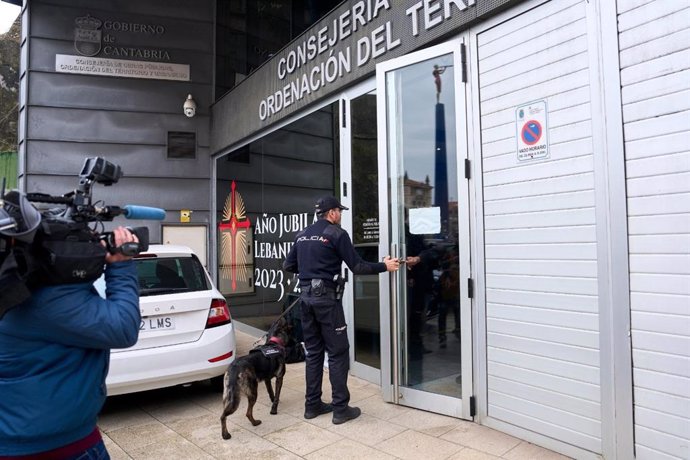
(233, 228)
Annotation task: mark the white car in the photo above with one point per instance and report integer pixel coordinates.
(186, 331)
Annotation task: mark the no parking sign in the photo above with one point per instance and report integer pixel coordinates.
(532, 131)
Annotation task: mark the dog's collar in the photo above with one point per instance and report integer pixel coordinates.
(277, 340)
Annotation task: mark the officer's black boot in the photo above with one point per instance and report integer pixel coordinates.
(313, 412)
(349, 413)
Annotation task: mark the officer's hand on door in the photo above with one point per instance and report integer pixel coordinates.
(392, 265)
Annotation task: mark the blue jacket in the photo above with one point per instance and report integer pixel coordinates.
(54, 357)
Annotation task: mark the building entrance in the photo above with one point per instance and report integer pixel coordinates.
(359, 169)
(424, 213)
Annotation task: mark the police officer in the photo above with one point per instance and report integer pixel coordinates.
(317, 255)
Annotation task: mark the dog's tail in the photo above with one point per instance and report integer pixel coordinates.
(231, 395)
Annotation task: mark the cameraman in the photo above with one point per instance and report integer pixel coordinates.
(54, 357)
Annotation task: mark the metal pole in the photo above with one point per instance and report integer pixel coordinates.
(395, 356)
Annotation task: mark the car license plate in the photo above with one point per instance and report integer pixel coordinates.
(157, 323)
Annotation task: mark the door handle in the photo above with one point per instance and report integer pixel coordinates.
(395, 331)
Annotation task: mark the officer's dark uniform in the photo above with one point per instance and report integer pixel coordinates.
(317, 254)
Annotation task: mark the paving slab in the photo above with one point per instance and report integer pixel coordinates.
(184, 423)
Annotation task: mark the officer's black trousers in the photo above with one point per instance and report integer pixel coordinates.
(324, 329)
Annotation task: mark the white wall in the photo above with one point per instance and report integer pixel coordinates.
(540, 246)
(654, 40)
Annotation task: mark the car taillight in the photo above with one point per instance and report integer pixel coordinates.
(218, 314)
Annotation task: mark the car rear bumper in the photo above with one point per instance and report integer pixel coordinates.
(151, 368)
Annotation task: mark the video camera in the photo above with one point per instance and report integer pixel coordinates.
(58, 245)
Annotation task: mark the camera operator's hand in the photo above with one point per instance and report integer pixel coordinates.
(122, 236)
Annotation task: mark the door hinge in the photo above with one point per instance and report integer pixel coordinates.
(468, 169)
(473, 407)
(344, 188)
(463, 60)
(470, 288)
(344, 122)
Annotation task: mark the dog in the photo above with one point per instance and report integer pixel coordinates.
(261, 364)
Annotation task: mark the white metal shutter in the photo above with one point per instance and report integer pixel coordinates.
(654, 40)
(540, 240)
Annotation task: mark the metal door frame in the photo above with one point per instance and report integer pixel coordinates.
(390, 305)
(357, 369)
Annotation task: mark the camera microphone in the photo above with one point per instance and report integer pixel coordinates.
(143, 212)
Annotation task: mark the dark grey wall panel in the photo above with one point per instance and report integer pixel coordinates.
(171, 194)
(180, 32)
(198, 11)
(47, 123)
(71, 117)
(130, 95)
(136, 160)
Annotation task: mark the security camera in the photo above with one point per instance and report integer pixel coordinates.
(189, 106)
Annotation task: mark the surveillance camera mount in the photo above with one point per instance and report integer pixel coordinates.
(189, 106)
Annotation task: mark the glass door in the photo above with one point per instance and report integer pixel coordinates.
(359, 152)
(424, 204)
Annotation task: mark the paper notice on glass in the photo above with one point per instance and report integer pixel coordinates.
(424, 221)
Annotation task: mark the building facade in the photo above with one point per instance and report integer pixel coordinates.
(533, 153)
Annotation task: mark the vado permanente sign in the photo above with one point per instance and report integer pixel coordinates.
(531, 131)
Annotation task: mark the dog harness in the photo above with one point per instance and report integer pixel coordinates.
(274, 347)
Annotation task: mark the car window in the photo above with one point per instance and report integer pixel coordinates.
(170, 274)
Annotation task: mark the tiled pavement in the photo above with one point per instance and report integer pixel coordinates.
(183, 423)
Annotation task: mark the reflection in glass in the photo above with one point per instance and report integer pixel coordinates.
(422, 104)
(265, 194)
(365, 236)
(248, 33)
(235, 243)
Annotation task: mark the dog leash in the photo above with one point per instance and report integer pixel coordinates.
(265, 336)
(285, 312)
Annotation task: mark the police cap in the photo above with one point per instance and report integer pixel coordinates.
(326, 203)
